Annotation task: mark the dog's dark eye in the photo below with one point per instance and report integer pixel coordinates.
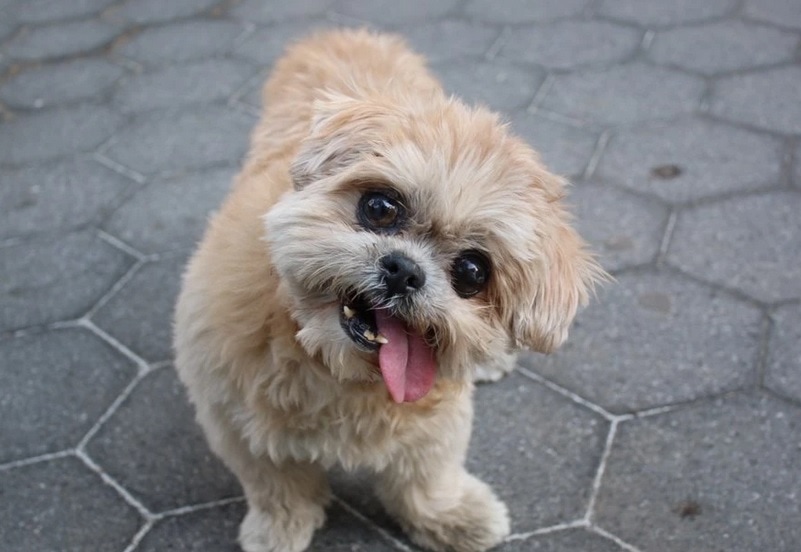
(378, 211)
(470, 273)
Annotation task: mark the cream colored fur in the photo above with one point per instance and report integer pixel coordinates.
(280, 390)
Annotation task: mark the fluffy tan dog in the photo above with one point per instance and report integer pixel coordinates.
(383, 244)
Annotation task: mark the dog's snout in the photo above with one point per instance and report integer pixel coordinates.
(402, 275)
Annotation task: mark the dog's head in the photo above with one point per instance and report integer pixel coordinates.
(422, 239)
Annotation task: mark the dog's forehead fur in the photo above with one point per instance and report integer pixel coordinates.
(465, 179)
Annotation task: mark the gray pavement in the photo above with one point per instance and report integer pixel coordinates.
(670, 422)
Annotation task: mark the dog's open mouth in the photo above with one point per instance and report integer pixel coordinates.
(406, 360)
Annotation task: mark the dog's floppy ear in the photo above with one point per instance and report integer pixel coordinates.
(340, 131)
(561, 277)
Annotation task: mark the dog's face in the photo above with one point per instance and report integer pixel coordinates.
(422, 240)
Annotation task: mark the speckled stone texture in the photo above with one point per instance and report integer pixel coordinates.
(668, 422)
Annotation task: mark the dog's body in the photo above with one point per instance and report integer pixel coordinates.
(362, 172)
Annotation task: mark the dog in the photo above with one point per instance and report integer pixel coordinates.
(383, 245)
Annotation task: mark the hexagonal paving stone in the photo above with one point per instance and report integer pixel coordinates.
(8, 21)
(62, 505)
(538, 450)
(754, 240)
(447, 40)
(524, 11)
(784, 358)
(778, 108)
(495, 84)
(721, 475)
(390, 12)
(569, 44)
(48, 403)
(624, 94)
(59, 196)
(40, 11)
(56, 133)
(7, 28)
(189, 83)
(780, 12)
(690, 159)
(174, 140)
(272, 11)
(82, 79)
(152, 11)
(571, 540)
(216, 529)
(183, 41)
(654, 338)
(658, 12)
(140, 314)
(723, 46)
(623, 229)
(58, 279)
(153, 447)
(60, 40)
(264, 46)
(563, 148)
(171, 215)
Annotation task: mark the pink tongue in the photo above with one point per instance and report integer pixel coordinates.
(407, 362)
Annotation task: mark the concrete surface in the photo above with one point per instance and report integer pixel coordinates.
(671, 421)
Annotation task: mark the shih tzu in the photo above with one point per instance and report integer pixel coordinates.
(383, 245)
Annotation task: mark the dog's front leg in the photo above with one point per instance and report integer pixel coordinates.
(439, 504)
(285, 505)
(286, 501)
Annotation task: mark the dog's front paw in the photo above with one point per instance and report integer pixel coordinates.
(479, 522)
(262, 532)
(494, 369)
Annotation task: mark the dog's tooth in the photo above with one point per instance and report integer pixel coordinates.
(349, 312)
(369, 335)
(381, 339)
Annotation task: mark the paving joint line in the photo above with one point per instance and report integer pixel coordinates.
(371, 524)
(139, 536)
(239, 93)
(597, 153)
(183, 510)
(575, 397)
(36, 459)
(141, 364)
(110, 411)
(736, 293)
(119, 168)
(498, 44)
(111, 482)
(647, 40)
(599, 473)
(118, 285)
(763, 353)
(667, 237)
(124, 247)
(576, 524)
(245, 109)
(614, 538)
(248, 29)
(781, 397)
(561, 118)
(542, 91)
(657, 410)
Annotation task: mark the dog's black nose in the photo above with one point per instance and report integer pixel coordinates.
(402, 275)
